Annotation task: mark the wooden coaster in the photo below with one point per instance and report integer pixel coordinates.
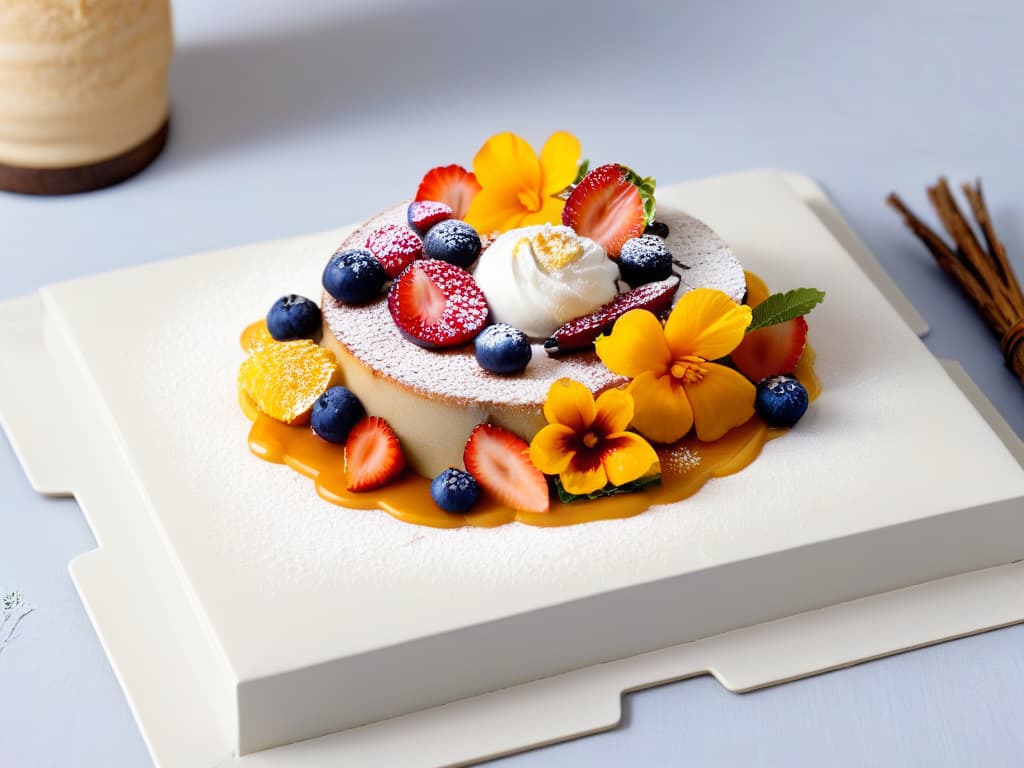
(83, 178)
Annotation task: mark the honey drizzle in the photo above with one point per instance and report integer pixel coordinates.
(686, 467)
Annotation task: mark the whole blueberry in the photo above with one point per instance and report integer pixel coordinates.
(455, 490)
(453, 241)
(354, 276)
(500, 348)
(644, 260)
(334, 414)
(293, 317)
(780, 401)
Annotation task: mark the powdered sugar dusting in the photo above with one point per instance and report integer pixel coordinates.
(369, 333)
(678, 460)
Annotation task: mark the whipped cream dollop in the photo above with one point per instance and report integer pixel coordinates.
(538, 278)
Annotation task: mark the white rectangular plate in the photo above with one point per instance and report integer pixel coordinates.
(256, 592)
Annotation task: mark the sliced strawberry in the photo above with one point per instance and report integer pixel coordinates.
(452, 185)
(606, 207)
(423, 214)
(500, 462)
(437, 304)
(395, 247)
(579, 334)
(771, 350)
(373, 455)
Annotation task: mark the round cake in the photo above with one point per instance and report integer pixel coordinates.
(83, 91)
(434, 397)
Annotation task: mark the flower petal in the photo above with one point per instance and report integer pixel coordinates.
(723, 399)
(627, 457)
(550, 213)
(583, 477)
(507, 161)
(663, 413)
(635, 345)
(553, 448)
(614, 411)
(706, 322)
(570, 403)
(559, 162)
(495, 209)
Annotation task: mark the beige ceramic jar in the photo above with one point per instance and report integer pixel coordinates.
(83, 91)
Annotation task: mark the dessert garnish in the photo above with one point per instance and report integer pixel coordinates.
(777, 334)
(455, 490)
(354, 276)
(500, 461)
(285, 379)
(586, 442)
(437, 304)
(983, 272)
(518, 188)
(674, 382)
(373, 455)
(502, 349)
(334, 414)
(394, 247)
(537, 278)
(451, 185)
(688, 386)
(610, 205)
(578, 335)
(453, 241)
(423, 214)
(781, 401)
(294, 317)
(645, 259)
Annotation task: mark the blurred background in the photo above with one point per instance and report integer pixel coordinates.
(288, 118)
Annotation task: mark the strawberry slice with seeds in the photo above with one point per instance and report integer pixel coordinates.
(500, 462)
(395, 247)
(579, 335)
(771, 350)
(606, 207)
(423, 214)
(452, 185)
(437, 304)
(373, 455)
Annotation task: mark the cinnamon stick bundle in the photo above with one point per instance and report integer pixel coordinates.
(982, 271)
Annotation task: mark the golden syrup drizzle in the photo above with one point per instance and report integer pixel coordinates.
(686, 466)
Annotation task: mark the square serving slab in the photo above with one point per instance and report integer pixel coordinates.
(284, 618)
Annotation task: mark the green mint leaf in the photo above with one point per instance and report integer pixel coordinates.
(609, 490)
(781, 307)
(584, 167)
(645, 185)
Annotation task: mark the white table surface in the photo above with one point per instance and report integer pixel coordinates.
(295, 117)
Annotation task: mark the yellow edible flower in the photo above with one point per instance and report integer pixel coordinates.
(517, 188)
(585, 442)
(674, 385)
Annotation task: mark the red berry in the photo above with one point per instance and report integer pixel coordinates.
(395, 247)
(437, 304)
(772, 350)
(606, 207)
(373, 455)
(579, 334)
(500, 462)
(452, 185)
(423, 214)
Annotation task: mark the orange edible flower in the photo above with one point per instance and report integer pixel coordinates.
(517, 188)
(674, 384)
(585, 442)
